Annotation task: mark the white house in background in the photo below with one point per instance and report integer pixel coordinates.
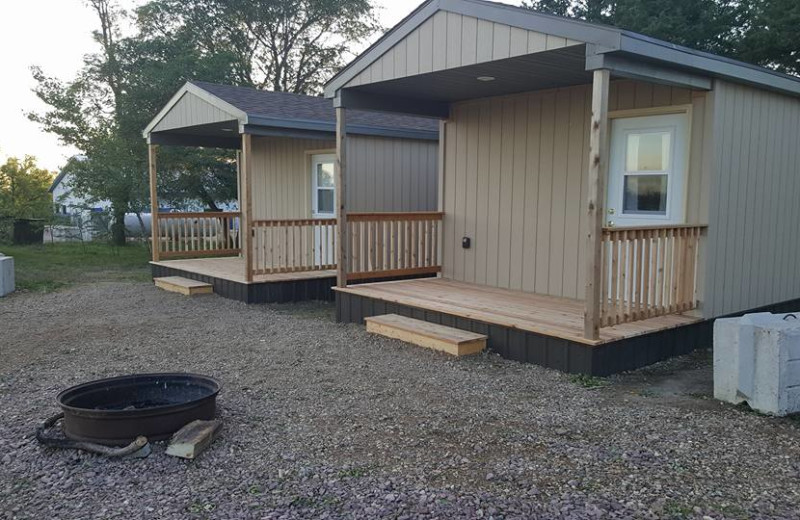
(82, 218)
(67, 203)
(92, 216)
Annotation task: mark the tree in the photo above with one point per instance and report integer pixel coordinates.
(87, 113)
(763, 32)
(289, 45)
(282, 45)
(103, 110)
(771, 34)
(24, 189)
(699, 24)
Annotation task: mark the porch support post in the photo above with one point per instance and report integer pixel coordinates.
(152, 150)
(598, 167)
(246, 209)
(342, 235)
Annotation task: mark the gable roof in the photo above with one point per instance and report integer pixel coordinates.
(57, 180)
(601, 40)
(261, 108)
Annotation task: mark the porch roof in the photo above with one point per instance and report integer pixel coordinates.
(208, 114)
(389, 69)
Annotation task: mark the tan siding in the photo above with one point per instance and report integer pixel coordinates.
(190, 110)
(754, 239)
(515, 182)
(450, 40)
(384, 175)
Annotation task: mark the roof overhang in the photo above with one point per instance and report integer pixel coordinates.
(225, 132)
(626, 54)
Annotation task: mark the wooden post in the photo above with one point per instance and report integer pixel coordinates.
(246, 209)
(342, 237)
(154, 232)
(598, 166)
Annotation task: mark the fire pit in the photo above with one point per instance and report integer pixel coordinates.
(115, 411)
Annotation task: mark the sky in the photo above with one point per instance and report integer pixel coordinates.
(55, 35)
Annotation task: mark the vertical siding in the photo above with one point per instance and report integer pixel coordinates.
(448, 40)
(384, 175)
(190, 110)
(515, 182)
(754, 237)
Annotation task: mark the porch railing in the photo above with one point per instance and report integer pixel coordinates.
(293, 245)
(198, 234)
(648, 272)
(393, 244)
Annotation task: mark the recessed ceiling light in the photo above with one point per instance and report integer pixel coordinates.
(485, 78)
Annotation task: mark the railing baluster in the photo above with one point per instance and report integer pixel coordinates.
(393, 244)
(648, 272)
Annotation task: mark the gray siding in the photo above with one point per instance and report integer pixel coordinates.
(515, 182)
(447, 40)
(384, 174)
(754, 236)
(191, 110)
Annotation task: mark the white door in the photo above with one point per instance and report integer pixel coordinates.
(323, 205)
(647, 171)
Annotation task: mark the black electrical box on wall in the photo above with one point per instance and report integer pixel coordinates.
(466, 242)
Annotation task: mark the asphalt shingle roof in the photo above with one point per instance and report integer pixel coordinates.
(284, 105)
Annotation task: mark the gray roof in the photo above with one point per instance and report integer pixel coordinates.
(263, 104)
(57, 180)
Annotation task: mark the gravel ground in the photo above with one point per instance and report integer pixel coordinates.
(325, 421)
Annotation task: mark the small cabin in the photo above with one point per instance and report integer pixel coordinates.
(280, 244)
(605, 195)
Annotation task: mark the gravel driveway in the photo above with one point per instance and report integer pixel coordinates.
(325, 421)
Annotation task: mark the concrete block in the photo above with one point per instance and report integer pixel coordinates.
(7, 284)
(757, 360)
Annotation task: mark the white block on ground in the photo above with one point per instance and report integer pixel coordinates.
(7, 283)
(757, 360)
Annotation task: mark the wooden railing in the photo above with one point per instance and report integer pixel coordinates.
(648, 272)
(393, 244)
(198, 234)
(293, 245)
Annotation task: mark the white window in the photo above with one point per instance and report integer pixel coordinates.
(647, 170)
(323, 189)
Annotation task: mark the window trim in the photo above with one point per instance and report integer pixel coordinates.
(315, 188)
(685, 109)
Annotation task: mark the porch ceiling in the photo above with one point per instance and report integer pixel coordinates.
(224, 134)
(550, 69)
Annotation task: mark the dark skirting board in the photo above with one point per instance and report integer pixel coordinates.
(551, 352)
(306, 289)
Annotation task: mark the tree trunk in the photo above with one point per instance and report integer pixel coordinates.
(118, 225)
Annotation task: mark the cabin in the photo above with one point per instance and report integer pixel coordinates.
(279, 245)
(605, 195)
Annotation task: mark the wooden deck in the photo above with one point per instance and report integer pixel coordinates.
(547, 315)
(232, 269)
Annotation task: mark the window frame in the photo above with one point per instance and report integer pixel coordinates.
(677, 169)
(316, 159)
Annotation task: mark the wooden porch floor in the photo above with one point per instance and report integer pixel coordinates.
(232, 269)
(548, 315)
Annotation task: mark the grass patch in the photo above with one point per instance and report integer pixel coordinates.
(49, 267)
(588, 381)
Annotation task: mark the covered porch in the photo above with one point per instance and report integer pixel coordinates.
(574, 184)
(285, 230)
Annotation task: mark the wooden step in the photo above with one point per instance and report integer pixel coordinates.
(429, 335)
(183, 285)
